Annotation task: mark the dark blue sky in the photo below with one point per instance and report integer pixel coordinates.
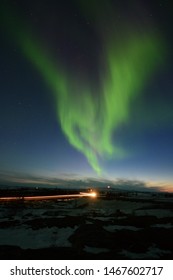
(32, 142)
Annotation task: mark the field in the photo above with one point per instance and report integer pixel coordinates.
(107, 227)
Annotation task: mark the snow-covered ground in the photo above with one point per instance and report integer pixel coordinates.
(155, 212)
(117, 227)
(16, 223)
(28, 238)
(152, 253)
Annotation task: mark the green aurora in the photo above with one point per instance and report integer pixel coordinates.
(89, 119)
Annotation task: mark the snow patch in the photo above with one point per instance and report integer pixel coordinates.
(42, 238)
(113, 228)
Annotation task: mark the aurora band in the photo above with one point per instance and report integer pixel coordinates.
(89, 122)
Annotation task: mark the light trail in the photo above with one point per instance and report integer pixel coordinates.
(48, 197)
(91, 194)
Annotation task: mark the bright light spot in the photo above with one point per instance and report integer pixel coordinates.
(93, 194)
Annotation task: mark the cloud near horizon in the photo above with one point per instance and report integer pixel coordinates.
(74, 181)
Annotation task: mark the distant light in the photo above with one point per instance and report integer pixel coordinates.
(93, 194)
(108, 187)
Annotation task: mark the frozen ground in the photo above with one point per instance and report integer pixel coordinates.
(98, 227)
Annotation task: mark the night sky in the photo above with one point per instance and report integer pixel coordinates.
(86, 91)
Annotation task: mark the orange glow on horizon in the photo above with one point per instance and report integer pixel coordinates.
(161, 186)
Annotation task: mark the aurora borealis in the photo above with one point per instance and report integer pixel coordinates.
(99, 65)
